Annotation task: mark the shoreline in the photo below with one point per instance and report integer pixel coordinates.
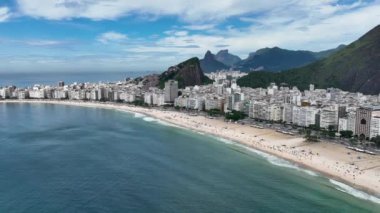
(333, 161)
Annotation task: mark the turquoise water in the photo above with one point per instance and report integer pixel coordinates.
(70, 159)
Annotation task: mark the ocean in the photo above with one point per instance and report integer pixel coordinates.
(31, 78)
(56, 158)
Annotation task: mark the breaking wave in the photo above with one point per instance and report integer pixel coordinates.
(354, 192)
(270, 158)
(280, 162)
(139, 115)
(149, 119)
(225, 141)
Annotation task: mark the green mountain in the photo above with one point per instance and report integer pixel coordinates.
(354, 68)
(276, 59)
(227, 58)
(210, 64)
(187, 73)
(327, 53)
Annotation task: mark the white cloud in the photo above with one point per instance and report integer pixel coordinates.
(304, 32)
(4, 14)
(181, 33)
(112, 37)
(44, 43)
(194, 11)
(296, 24)
(199, 27)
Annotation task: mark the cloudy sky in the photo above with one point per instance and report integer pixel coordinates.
(150, 35)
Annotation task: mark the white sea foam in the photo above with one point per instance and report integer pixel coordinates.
(139, 115)
(354, 192)
(278, 161)
(149, 119)
(201, 133)
(225, 140)
(270, 158)
(167, 123)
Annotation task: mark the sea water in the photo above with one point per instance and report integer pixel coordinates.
(56, 158)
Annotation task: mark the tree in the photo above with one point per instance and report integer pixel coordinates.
(376, 140)
(314, 127)
(310, 137)
(331, 128)
(346, 134)
(331, 134)
(308, 132)
(301, 131)
(140, 103)
(235, 115)
(324, 133)
(214, 112)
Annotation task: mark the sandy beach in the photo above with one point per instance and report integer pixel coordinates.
(360, 170)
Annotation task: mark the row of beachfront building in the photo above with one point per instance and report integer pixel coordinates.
(323, 108)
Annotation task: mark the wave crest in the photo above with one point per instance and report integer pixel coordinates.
(354, 192)
(270, 158)
(149, 119)
(281, 162)
(139, 115)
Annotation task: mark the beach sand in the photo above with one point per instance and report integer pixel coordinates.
(361, 171)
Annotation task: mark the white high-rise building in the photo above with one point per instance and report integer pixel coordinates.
(311, 87)
(4, 93)
(375, 127)
(329, 117)
(343, 124)
(158, 99)
(148, 98)
(214, 103)
(310, 113)
(260, 110)
(304, 116)
(94, 95)
(351, 121)
(171, 91)
(287, 113)
(375, 124)
(37, 94)
(275, 112)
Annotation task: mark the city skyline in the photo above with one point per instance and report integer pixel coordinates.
(75, 35)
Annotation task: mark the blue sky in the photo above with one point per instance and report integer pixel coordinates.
(150, 35)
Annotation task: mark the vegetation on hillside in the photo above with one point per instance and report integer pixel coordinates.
(210, 64)
(187, 73)
(355, 67)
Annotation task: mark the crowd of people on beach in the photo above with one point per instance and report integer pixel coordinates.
(292, 148)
